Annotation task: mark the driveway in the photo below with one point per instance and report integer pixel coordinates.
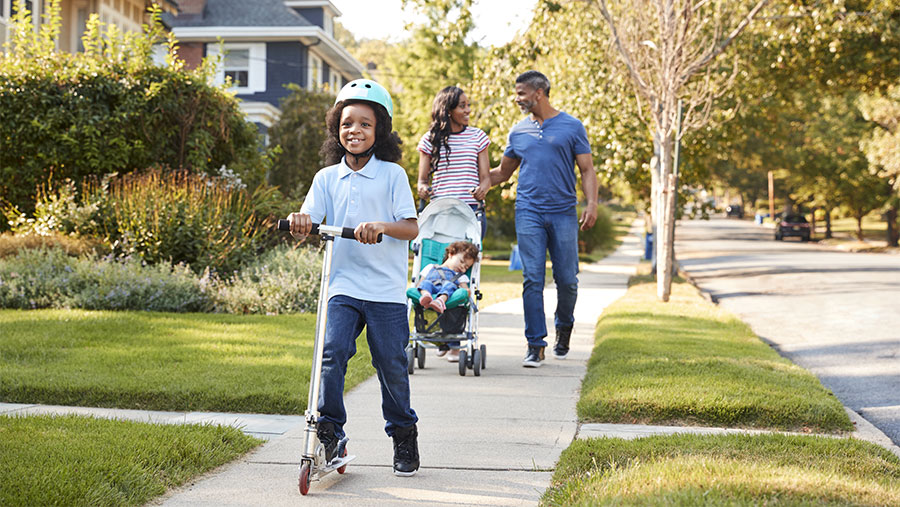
(836, 314)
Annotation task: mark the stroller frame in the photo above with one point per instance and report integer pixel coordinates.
(425, 335)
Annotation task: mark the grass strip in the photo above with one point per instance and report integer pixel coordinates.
(162, 361)
(688, 362)
(725, 470)
(73, 460)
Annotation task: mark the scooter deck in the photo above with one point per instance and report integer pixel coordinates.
(335, 464)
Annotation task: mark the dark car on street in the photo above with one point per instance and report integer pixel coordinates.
(734, 210)
(792, 226)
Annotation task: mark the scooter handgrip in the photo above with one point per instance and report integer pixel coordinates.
(348, 233)
(284, 225)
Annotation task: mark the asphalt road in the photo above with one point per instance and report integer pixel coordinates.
(836, 314)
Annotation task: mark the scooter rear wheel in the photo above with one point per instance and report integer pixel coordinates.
(343, 469)
(304, 479)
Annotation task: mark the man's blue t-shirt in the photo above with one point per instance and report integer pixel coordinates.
(547, 168)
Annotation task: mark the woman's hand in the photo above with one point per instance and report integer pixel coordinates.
(424, 190)
(301, 224)
(480, 192)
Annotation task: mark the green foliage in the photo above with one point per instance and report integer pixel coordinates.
(162, 361)
(299, 133)
(11, 244)
(283, 280)
(601, 235)
(111, 108)
(157, 216)
(73, 460)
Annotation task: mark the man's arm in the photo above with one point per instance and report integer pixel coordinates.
(590, 185)
(508, 166)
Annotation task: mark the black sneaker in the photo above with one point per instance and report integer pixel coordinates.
(534, 357)
(325, 432)
(561, 350)
(406, 451)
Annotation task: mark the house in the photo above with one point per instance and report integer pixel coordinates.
(267, 44)
(128, 15)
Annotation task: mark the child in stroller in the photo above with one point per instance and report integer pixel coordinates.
(438, 283)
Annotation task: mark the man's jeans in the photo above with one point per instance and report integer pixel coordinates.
(387, 330)
(536, 233)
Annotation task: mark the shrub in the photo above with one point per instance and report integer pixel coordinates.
(11, 244)
(175, 217)
(111, 108)
(600, 235)
(284, 280)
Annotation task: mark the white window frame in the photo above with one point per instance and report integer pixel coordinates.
(328, 22)
(111, 16)
(4, 21)
(314, 72)
(78, 28)
(256, 75)
(334, 81)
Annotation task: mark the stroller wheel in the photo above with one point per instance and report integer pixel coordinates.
(462, 362)
(420, 355)
(483, 350)
(476, 363)
(410, 360)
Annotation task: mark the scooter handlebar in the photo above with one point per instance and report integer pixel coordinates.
(344, 232)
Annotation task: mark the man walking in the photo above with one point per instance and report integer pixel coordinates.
(547, 145)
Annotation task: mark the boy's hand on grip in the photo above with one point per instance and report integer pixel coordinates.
(367, 232)
(301, 224)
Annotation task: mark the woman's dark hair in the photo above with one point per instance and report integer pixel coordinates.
(387, 142)
(469, 250)
(445, 101)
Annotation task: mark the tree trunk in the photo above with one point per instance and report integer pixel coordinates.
(893, 234)
(655, 194)
(666, 224)
(859, 231)
(812, 223)
(828, 234)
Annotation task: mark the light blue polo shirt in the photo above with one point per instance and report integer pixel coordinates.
(547, 153)
(379, 192)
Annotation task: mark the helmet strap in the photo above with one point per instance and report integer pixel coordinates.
(364, 154)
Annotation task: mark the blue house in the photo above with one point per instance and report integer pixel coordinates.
(267, 44)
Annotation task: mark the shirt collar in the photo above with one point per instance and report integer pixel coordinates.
(369, 170)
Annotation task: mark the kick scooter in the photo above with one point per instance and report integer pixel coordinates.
(313, 465)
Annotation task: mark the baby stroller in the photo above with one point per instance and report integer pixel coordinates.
(442, 222)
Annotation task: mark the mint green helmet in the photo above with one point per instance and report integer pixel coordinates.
(368, 90)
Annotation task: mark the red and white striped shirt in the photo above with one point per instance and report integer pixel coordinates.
(457, 173)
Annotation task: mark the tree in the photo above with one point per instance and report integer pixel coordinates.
(669, 49)
(882, 147)
(299, 133)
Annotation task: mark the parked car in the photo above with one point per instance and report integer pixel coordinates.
(792, 225)
(734, 210)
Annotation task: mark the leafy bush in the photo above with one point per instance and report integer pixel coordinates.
(601, 234)
(111, 108)
(284, 280)
(11, 244)
(299, 134)
(157, 216)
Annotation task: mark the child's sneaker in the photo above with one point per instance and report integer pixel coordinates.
(325, 432)
(406, 451)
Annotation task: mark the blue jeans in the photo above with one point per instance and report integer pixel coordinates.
(387, 331)
(537, 233)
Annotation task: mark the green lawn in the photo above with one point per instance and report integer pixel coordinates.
(688, 362)
(162, 361)
(725, 470)
(71, 460)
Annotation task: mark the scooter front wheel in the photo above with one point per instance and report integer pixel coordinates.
(304, 478)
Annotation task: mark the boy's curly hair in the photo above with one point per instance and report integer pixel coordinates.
(469, 250)
(387, 142)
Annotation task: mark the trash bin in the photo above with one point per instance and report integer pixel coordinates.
(515, 262)
(648, 246)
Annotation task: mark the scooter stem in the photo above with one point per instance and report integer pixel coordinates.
(315, 377)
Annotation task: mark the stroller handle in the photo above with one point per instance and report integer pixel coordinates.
(344, 232)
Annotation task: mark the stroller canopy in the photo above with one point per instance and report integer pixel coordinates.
(447, 220)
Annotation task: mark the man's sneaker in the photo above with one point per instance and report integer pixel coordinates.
(534, 357)
(330, 441)
(406, 451)
(561, 350)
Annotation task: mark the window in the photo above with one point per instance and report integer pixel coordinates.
(334, 81)
(314, 77)
(120, 18)
(5, 10)
(329, 25)
(245, 64)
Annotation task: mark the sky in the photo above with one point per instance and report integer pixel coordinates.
(496, 21)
